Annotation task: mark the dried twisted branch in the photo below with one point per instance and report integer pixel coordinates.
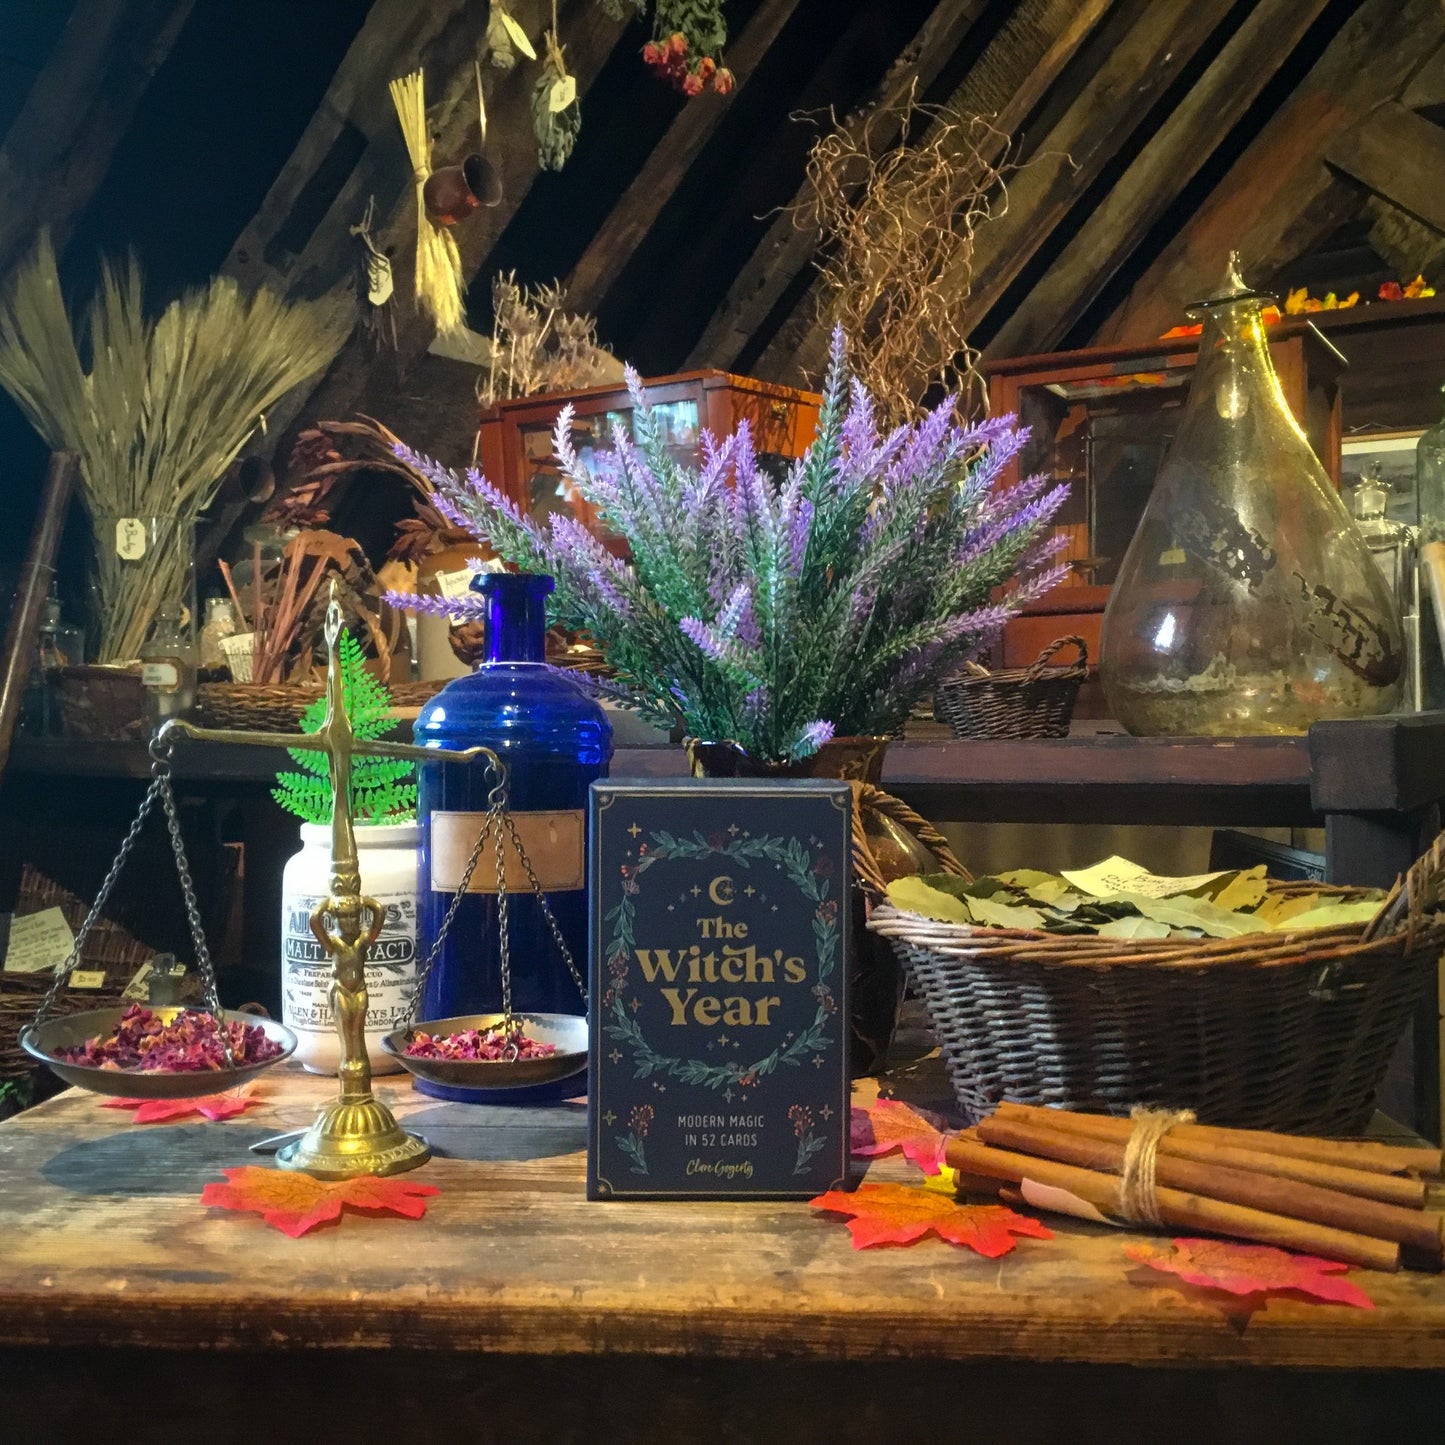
(894, 221)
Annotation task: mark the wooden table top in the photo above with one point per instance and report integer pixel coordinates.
(103, 1243)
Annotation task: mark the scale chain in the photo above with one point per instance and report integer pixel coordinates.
(210, 990)
(62, 973)
(497, 814)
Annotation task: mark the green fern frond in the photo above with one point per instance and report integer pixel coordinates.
(383, 790)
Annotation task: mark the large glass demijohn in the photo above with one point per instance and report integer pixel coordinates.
(1247, 601)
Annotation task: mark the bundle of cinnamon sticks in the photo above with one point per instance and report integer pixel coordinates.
(1359, 1202)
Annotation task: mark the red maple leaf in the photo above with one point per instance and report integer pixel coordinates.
(210, 1106)
(903, 1213)
(295, 1203)
(1254, 1269)
(886, 1125)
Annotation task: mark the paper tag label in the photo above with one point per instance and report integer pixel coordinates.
(130, 539)
(138, 990)
(162, 676)
(39, 942)
(1060, 1201)
(379, 281)
(1119, 875)
(1174, 557)
(554, 844)
(562, 94)
(453, 585)
(87, 978)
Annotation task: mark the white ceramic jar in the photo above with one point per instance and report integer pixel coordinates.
(389, 859)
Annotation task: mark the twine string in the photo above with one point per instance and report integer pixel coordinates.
(1138, 1197)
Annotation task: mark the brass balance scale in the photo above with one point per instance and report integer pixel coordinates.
(356, 1134)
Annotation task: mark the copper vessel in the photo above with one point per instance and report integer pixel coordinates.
(452, 193)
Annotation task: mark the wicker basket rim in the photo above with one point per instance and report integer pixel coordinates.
(1287, 946)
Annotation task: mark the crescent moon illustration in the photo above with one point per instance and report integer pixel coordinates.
(720, 890)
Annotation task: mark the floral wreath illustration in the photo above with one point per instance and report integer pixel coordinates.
(808, 875)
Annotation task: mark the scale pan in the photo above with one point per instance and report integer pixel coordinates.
(62, 1033)
(567, 1031)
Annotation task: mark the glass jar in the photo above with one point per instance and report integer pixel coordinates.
(1248, 601)
(141, 564)
(1430, 498)
(220, 624)
(168, 665)
(555, 741)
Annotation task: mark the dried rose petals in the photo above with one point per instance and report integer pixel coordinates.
(479, 1046)
(143, 1042)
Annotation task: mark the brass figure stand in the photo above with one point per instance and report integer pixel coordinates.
(357, 1134)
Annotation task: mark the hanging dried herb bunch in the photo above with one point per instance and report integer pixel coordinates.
(505, 38)
(556, 111)
(163, 411)
(894, 222)
(539, 346)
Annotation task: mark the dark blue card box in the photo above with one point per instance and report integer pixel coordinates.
(719, 990)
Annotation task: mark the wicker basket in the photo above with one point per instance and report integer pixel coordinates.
(1021, 702)
(101, 702)
(109, 949)
(251, 707)
(1283, 1031)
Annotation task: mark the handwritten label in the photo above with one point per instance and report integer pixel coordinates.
(87, 978)
(1119, 875)
(39, 942)
(562, 94)
(453, 585)
(130, 539)
(162, 676)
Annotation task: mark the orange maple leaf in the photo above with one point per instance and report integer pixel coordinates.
(1247, 1269)
(209, 1106)
(887, 1124)
(295, 1203)
(903, 1213)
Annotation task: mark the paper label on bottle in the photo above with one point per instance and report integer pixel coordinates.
(138, 990)
(1174, 557)
(162, 676)
(39, 942)
(130, 539)
(554, 842)
(1061, 1201)
(453, 585)
(306, 967)
(1119, 875)
(87, 978)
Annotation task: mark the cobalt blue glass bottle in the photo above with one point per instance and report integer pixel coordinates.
(555, 740)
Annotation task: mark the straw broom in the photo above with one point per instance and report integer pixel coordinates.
(163, 412)
(438, 262)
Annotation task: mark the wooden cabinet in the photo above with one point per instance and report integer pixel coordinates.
(515, 437)
(1102, 420)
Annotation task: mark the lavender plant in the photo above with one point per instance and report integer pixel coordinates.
(777, 615)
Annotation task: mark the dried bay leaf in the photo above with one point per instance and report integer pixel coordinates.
(1184, 912)
(914, 895)
(1134, 928)
(1330, 915)
(1245, 890)
(993, 914)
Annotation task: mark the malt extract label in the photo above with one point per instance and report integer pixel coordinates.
(306, 970)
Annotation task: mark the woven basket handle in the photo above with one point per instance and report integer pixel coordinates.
(1411, 899)
(1043, 659)
(867, 797)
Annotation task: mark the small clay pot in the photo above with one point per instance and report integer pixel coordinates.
(452, 193)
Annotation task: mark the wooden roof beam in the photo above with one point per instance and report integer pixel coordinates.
(786, 247)
(1280, 198)
(59, 146)
(1194, 129)
(800, 346)
(1400, 156)
(663, 171)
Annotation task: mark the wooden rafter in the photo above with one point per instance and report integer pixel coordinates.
(1400, 156)
(59, 146)
(667, 165)
(1280, 198)
(1170, 159)
(786, 247)
(1032, 51)
(324, 263)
